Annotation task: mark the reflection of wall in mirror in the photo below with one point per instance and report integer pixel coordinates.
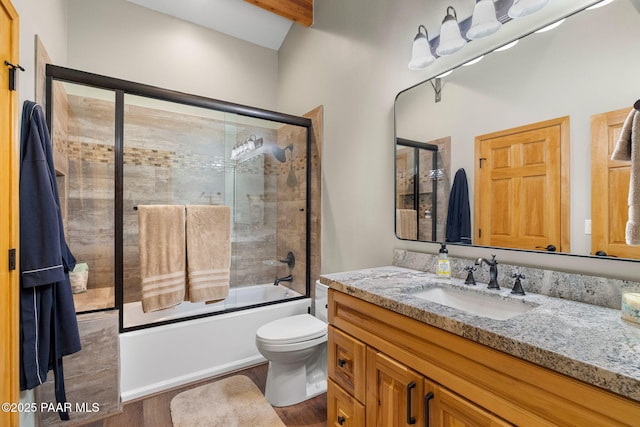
(580, 69)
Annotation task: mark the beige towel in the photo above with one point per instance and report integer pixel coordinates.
(161, 238)
(208, 252)
(628, 148)
(407, 224)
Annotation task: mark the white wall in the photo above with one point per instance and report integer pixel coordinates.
(354, 62)
(48, 20)
(119, 39)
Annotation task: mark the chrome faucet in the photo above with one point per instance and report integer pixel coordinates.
(493, 271)
(288, 278)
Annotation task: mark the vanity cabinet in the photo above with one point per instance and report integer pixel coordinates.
(396, 395)
(447, 409)
(343, 409)
(387, 369)
(394, 392)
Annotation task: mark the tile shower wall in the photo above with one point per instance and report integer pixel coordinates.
(291, 181)
(90, 195)
(158, 165)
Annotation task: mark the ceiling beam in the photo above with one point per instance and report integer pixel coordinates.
(300, 11)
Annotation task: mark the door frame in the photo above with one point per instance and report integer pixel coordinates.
(9, 283)
(607, 199)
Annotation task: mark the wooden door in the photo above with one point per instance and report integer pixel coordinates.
(9, 233)
(394, 393)
(447, 409)
(521, 187)
(609, 188)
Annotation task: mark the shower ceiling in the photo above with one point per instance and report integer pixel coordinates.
(236, 18)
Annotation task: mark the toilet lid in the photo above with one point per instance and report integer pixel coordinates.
(292, 329)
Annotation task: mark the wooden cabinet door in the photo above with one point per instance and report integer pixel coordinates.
(609, 188)
(343, 410)
(446, 409)
(521, 187)
(394, 393)
(346, 356)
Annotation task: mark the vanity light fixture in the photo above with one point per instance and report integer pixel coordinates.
(247, 149)
(483, 21)
(451, 40)
(421, 56)
(522, 8)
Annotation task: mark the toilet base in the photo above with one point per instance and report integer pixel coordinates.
(292, 383)
(286, 387)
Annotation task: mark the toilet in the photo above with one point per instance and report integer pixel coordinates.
(296, 348)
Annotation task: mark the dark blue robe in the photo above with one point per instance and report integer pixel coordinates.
(459, 214)
(48, 324)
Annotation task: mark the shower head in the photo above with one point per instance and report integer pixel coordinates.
(281, 153)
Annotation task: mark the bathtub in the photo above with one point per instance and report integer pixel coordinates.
(163, 357)
(238, 298)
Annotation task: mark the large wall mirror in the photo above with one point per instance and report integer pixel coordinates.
(562, 96)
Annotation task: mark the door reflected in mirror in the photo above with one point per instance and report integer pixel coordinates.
(585, 67)
(522, 187)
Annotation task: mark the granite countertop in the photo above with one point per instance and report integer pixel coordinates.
(587, 342)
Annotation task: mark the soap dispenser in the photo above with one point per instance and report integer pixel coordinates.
(444, 266)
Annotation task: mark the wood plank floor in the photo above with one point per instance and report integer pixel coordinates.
(153, 411)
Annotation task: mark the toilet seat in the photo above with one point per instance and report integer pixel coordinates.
(291, 330)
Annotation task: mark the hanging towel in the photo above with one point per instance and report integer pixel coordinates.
(208, 252)
(407, 224)
(48, 323)
(459, 213)
(161, 240)
(628, 149)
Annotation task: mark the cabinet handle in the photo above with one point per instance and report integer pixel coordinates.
(341, 363)
(410, 419)
(427, 398)
(341, 420)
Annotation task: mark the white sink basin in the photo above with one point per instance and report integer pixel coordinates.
(474, 303)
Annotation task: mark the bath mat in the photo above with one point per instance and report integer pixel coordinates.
(231, 402)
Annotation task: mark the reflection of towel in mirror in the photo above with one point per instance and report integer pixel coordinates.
(161, 238)
(208, 252)
(628, 148)
(459, 213)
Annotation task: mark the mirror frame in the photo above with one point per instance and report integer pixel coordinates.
(434, 81)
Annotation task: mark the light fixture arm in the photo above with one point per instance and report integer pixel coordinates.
(437, 88)
(420, 28)
(451, 15)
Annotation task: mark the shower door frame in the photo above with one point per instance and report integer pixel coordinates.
(417, 146)
(120, 88)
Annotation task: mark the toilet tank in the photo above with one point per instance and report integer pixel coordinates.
(321, 301)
